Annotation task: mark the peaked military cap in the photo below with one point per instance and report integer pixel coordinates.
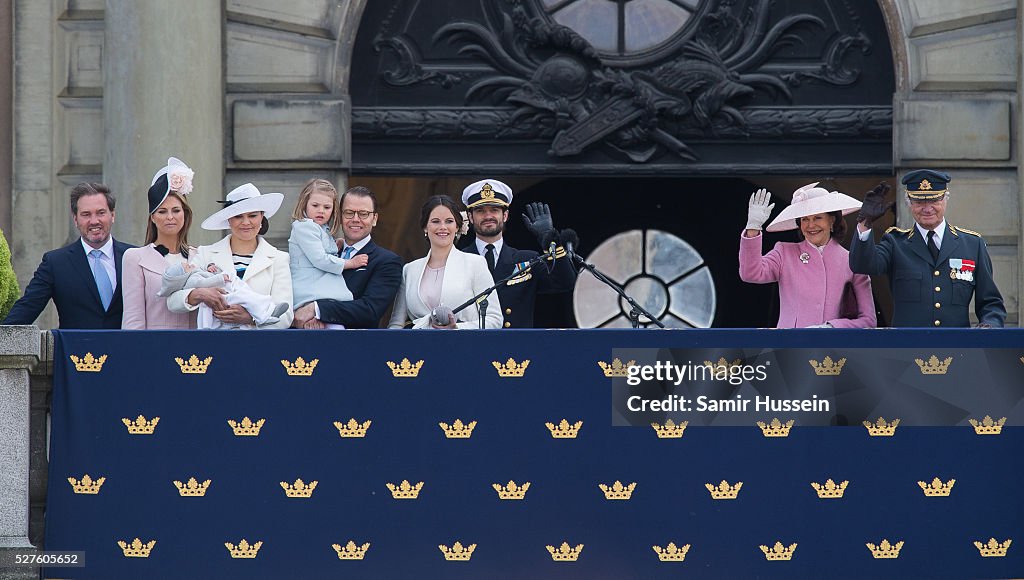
(926, 184)
(486, 192)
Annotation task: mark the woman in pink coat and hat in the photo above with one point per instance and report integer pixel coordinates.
(817, 289)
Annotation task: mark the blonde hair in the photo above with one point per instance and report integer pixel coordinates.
(318, 185)
(182, 234)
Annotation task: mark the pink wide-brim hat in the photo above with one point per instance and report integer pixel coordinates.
(810, 200)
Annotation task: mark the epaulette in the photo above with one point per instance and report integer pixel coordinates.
(900, 230)
(966, 231)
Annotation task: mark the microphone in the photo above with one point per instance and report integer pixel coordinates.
(549, 242)
(570, 239)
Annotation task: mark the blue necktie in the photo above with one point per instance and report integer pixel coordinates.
(347, 253)
(99, 273)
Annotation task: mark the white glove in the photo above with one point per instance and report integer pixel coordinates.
(758, 210)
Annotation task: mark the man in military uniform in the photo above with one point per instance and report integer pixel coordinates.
(487, 203)
(934, 268)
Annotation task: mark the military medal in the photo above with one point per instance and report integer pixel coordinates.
(961, 269)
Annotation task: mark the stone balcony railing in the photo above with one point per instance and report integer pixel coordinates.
(26, 369)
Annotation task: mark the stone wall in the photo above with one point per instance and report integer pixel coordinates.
(285, 110)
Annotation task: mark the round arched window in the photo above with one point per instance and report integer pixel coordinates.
(663, 273)
(623, 28)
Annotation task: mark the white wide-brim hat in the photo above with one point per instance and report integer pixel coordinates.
(243, 199)
(810, 200)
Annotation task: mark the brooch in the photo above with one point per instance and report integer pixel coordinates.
(805, 257)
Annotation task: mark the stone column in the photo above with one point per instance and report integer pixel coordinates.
(163, 95)
(19, 351)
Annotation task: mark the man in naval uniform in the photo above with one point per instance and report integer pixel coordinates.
(487, 204)
(934, 268)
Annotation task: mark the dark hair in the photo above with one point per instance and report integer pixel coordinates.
(186, 224)
(359, 191)
(838, 230)
(85, 188)
(436, 200)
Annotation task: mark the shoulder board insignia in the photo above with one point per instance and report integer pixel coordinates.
(966, 231)
(900, 230)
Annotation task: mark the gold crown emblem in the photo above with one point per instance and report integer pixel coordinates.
(458, 429)
(564, 553)
(487, 192)
(88, 363)
(564, 430)
(617, 490)
(458, 552)
(616, 369)
(246, 427)
(353, 428)
(193, 488)
(723, 490)
(300, 368)
(776, 428)
(87, 486)
(723, 364)
(925, 185)
(670, 430)
(511, 368)
(828, 367)
(140, 426)
(510, 490)
(405, 490)
(778, 552)
(934, 366)
(880, 428)
(936, 488)
(193, 366)
(671, 552)
(992, 548)
(830, 490)
(405, 369)
(351, 551)
(136, 549)
(299, 488)
(987, 426)
(885, 550)
(244, 549)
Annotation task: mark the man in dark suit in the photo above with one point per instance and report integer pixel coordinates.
(487, 202)
(83, 278)
(934, 268)
(373, 286)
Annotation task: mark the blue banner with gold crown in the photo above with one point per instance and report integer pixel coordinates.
(391, 454)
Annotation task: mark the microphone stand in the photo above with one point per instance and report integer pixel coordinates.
(481, 298)
(636, 310)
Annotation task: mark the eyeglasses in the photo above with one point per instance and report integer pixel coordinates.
(363, 214)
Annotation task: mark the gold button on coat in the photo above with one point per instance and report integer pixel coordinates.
(508, 324)
(936, 273)
(937, 305)
(937, 289)
(937, 323)
(508, 311)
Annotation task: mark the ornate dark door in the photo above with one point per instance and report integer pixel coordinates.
(622, 87)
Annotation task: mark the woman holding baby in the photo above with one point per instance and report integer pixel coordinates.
(166, 245)
(251, 265)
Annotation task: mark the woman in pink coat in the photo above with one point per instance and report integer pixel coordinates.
(166, 243)
(817, 289)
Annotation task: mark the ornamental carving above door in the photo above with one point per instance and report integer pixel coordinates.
(628, 82)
